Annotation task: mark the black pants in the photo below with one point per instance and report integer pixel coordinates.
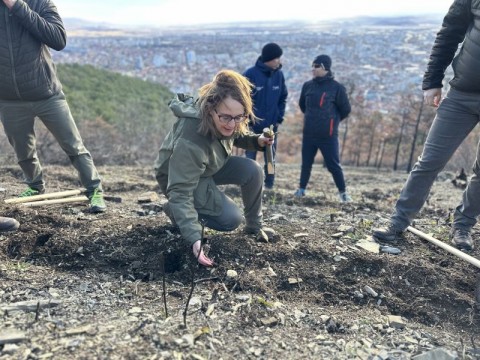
(330, 151)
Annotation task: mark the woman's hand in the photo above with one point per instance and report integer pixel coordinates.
(199, 255)
(264, 141)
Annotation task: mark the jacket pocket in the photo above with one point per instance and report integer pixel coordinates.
(207, 198)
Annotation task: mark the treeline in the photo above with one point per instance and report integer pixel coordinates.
(122, 119)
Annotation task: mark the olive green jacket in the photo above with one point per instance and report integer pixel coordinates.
(186, 164)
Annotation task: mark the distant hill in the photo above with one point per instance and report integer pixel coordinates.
(121, 117)
(412, 20)
(115, 98)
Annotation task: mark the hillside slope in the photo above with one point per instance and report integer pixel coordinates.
(95, 282)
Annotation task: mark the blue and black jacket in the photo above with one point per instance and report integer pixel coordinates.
(325, 103)
(269, 96)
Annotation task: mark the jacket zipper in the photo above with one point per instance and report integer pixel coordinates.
(10, 48)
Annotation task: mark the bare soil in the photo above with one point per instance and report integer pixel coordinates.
(116, 285)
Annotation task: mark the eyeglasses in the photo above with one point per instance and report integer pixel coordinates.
(316, 66)
(224, 118)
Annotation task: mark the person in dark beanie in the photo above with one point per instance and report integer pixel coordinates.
(324, 103)
(269, 98)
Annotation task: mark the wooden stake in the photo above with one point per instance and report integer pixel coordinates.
(56, 201)
(268, 132)
(53, 195)
(447, 247)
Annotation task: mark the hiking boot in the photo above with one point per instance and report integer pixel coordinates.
(97, 204)
(299, 193)
(263, 234)
(389, 233)
(168, 212)
(31, 192)
(8, 224)
(462, 239)
(344, 197)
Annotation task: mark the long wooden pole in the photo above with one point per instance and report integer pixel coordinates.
(53, 195)
(56, 201)
(447, 247)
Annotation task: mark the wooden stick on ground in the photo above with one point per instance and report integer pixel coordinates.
(447, 247)
(53, 195)
(56, 201)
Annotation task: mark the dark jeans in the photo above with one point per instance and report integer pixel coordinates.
(269, 178)
(330, 152)
(456, 117)
(248, 174)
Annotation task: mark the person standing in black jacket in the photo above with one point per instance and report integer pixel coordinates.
(324, 103)
(457, 115)
(30, 88)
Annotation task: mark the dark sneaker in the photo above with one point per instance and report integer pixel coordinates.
(345, 197)
(97, 203)
(389, 233)
(299, 193)
(168, 212)
(8, 224)
(31, 192)
(462, 239)
(263, 234)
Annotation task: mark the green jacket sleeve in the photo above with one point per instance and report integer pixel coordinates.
(249, 142)
(187, 164)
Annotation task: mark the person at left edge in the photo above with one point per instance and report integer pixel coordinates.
(269, 98)
(196, 156)
(30, 88)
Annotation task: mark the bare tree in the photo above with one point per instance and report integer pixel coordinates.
(415, 134)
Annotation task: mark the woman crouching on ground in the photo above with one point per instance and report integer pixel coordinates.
(196, 156)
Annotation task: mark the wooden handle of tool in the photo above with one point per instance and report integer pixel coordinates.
(447, 247)
(53, 195)
(268, 132)
(56, 201)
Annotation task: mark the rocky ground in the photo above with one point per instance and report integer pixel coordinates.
(115, 285)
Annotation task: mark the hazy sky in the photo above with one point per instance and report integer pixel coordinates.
(184, 12)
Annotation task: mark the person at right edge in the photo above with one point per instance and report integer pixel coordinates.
(457, 115)
(324, 102)
(269, 99)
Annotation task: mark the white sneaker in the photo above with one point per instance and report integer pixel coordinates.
(344, 197)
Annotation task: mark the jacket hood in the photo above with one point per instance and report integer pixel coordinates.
(264, 68)
(183, 105)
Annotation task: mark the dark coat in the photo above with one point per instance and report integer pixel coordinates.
(462, 23)
(269, 96)
(325, 103)
(27, 31)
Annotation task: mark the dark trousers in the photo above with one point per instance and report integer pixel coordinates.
(330, 152)
(248, 174)
(456, 117)
(269, 178)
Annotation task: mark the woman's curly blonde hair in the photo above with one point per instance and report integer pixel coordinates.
(226, 83)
